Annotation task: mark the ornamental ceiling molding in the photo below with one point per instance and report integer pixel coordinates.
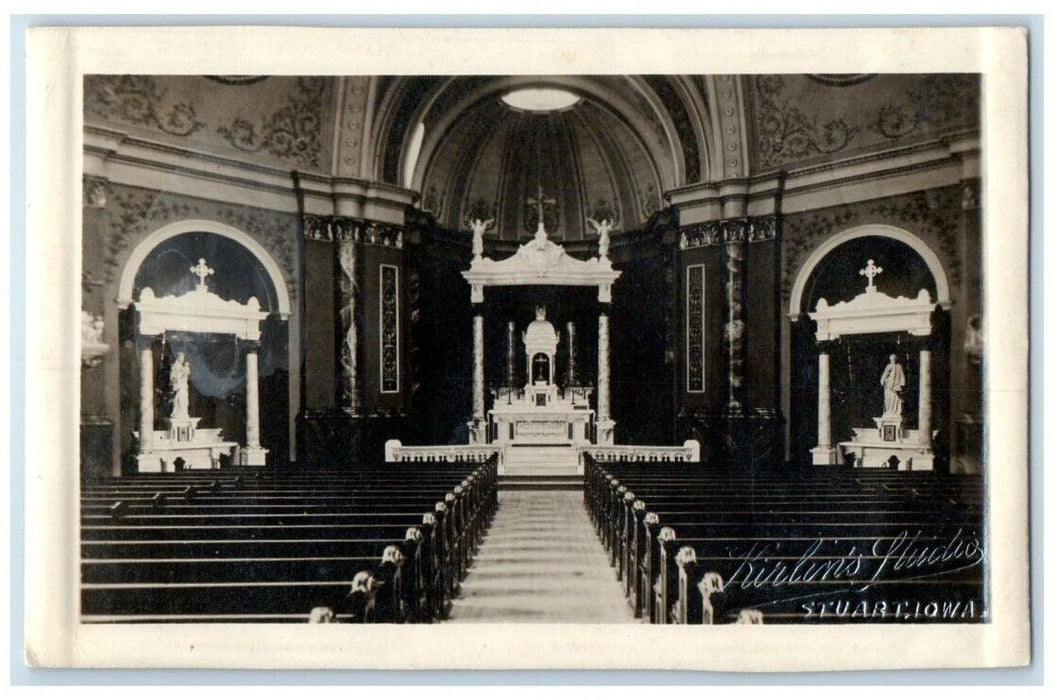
(683, 125)
(624, 104)
(794, 120)
(940, 101)
(841, 79)
(352, 117)
(730, 124)
(292, 132)
(786, 131)
(237, 79)
(337, 229)
(139, 100)
(721, 232)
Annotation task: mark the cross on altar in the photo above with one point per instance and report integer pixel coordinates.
(201, 270)
(870, 271)
(540, 203)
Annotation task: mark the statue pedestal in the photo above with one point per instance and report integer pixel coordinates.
(890, 428)
(888, 446)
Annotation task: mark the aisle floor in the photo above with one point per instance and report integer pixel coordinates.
(541, 561)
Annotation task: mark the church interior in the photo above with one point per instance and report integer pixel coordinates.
(577, 348)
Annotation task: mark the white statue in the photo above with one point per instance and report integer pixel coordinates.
(479, 227)
(179, 377)
(92, 346)
(91, 329)
(603, 229)
(892, 382)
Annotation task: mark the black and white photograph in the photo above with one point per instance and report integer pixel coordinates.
(592, 349)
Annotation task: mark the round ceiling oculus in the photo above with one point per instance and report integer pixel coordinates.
(540, 99)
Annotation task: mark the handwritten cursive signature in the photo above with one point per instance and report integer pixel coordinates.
(907, 554)
(776, 564)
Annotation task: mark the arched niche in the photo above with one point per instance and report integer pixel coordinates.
(832, 273)
(126, 286)
(245, 270)
(916, 244)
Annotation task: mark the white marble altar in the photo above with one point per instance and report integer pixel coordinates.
(542, 262)
(199, 311)
(541, 413)
(876, 312)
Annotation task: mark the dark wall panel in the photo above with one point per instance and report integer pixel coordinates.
(320, 325)
(761, 296)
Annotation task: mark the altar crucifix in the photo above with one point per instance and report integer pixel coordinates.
(540, 203)
(201, 271)
(870, 271)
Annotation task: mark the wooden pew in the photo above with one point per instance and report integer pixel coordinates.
(388, 545)
(682, 537)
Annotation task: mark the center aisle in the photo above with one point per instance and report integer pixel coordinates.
(541, 562)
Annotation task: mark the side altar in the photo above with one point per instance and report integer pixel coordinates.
(889, 444)
(182, 444)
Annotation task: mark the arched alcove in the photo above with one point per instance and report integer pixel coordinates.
(242, 270)
(916, 244)
(833, 273)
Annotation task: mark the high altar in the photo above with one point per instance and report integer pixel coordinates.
(542, 413)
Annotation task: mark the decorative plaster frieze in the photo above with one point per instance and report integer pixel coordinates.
(723, 232)
(337, 229)
(139, 100)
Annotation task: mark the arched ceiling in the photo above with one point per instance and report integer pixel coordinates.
(627, 141)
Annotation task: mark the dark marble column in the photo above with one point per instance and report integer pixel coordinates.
(349, 344)
(510, 356)
(571, 378)
(735, 251)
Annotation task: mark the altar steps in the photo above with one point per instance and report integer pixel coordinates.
(528, 482)
(541, 460)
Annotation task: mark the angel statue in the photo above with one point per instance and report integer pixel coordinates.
(603, 229)
(479, 227)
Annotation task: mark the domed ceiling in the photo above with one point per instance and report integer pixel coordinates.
(607, 147)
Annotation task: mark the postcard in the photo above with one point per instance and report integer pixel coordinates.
(513, 348)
